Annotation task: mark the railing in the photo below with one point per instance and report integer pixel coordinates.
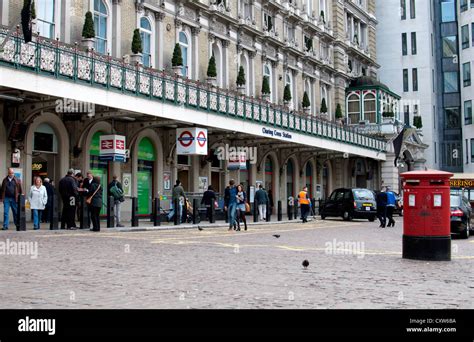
(66, 62)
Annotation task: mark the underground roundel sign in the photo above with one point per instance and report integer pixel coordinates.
(191, 141)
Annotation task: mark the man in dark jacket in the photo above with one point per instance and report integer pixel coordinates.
(262, 200)
(208, 199)
(230, 203)
(178, 194)
(9, 192)
(95, 194)
(382, 200)
(115, 190)
(48, 210)
(68, 191)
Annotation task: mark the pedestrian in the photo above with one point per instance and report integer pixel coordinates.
(261, 198)
(48, 210)
(391, 202)
(381, 200)
(9, 192)
(80, 181)
(230, 204)
(208, 200)
(38, 198)
(94, 201)
(304, 201)
(115, 190)
(179, 195)
(241, 206)
(84, 191)
(68, 190)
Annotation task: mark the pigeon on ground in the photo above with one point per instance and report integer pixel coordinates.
(305, 263)
(276, 235)
(199, 227)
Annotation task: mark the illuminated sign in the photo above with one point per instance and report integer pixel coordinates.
(461, 183)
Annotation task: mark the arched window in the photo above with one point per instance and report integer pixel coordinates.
(308, 90)
(45, 18)
(245, 63)
(101, 16)
(322, 7)
(324, 95)
(216, 51)
(289, 82)
(146, 34)
(267, 72)
(353, 109)
(184, 44)
(369, 108)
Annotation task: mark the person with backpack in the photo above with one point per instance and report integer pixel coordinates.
(115, 190)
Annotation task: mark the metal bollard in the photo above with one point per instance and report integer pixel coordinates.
(177, 213)
(156, 212)
(295, 207)
(289, 210)
(21, 214)
(110, 212)
(196, 218)
(280, 212)
(134, 212)
(54, 215)
(269, 213)
(255, 211)
(212, 209)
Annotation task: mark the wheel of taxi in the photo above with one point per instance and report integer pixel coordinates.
(372, 219)
(347, 216)
(465, 233)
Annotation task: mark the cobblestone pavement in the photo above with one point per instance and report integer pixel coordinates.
(214, 268)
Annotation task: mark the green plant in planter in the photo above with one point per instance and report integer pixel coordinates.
(322, 17)
(212, 68)
(265, 86)
(177, 59)
(88, 28)
(287, 93)
(26, 16)
(324, 107)
(241, 77)
(388, 114)
(137, 42)
(33, 10)
(417, 122)
(306, 101)
(338, 111)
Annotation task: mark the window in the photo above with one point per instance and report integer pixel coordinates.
(289, 82)
(413, 43)
(267, 72)
(369, 108)
(146, 33)
(245, 10)
(184, 44)
(100, 25)
(412, 9)
(403, 9)
(308, 43)
(45, 18)
(472, 150)
(414, 74)
(268, 21)
(405, 80)
(465, 36)
(450, 46)
(468, 112)
(404, 44)
(353, 109)
(463, 5)
(452, 119)
(451, 82)
(448, 10)
(406, 115)
(466, 74)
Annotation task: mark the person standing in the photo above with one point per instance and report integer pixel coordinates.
(241, 210)
(38, 198)
(94, 201)
(391, 202)
(68, 190)
(115, 190)
(261, 197)
(179, 195)
(230, 204)
(208, 199)
(381, 200)
(86, 185)
(9, 192)
(48, 210)
(304, 201)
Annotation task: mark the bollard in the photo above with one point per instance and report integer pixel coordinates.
(134, 212)
(54, 215)
(280, 213)
(110, 212)
(195, 211)
(177, 214)
(313, 207)
(295, 207)
(21, 214)
(289, 210)
(212, 215)
(269, 213)
(156, 212)
(255, 211)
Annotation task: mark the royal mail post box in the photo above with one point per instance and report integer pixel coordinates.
(427, 215)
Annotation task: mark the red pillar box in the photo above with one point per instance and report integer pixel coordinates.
(426, 220)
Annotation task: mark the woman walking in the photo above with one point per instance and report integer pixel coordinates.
(241, 210)
(94, 201)
(38, 198)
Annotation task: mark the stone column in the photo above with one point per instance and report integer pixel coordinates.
(390, 174)
(195, 50)
(159, 40)
(65, 35)
(252, 55)
(225, 60)
(116, 29)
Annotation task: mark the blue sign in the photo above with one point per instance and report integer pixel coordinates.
(276, 133)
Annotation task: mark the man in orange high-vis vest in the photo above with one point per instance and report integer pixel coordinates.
(304, 201)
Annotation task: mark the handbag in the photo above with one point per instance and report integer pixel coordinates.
(89, 200)
(247, 207)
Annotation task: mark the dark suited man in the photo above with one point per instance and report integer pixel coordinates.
(68, 190)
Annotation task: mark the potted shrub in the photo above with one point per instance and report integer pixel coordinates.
(323, 109)
(287, 95)
(33, 18)
(241, 80)
(177, 60)
(417, 122)
(323, 20)
(212, 71)
(356, 39)
(266, 89)
(88, 32)
(137, 48)
(388, 116)
(339, 116)
(306, 103)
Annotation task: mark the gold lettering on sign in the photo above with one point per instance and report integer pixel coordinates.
(462, 183)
